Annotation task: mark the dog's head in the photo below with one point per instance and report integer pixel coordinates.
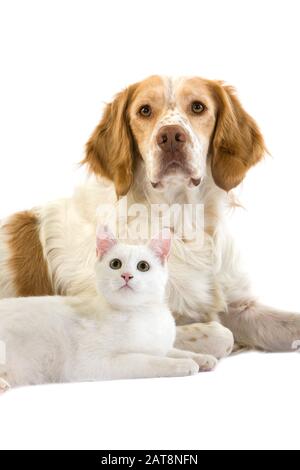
(177, 127)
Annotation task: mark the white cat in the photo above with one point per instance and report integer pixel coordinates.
(125, 332)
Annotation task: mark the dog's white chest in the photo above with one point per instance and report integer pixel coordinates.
(192, 292)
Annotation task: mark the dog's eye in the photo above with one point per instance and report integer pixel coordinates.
(115, 263)
(198, 107)
(143, 266)
(145, 110)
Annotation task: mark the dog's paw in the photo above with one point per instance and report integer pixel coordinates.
(4, 386)
(206, 362)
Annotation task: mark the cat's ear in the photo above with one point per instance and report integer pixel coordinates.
(105, 240)
(161, 244)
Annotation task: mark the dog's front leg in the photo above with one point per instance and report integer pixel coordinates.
(205, 338)
(4, 386)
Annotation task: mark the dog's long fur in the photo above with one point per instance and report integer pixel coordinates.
(206, 284)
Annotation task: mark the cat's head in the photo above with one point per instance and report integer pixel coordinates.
(129, 275)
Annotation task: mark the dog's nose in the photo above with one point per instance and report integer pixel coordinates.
(171, 138)
(126, 277)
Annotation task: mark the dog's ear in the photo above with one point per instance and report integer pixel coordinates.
(110, 150)
(237, 142)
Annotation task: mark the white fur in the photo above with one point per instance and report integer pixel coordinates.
(203, 279)
(120, 333)
(206, 280)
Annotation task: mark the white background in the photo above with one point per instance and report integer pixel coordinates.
(60, 61)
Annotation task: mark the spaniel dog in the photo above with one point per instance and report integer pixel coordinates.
(161, 141)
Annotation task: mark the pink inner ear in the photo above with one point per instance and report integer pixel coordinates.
(161, 244)
(105, 241)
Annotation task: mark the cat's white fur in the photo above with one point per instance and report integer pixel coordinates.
(126, 331)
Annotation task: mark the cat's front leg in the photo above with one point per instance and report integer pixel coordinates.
(205, 338)
(135, 366)
(206, 362)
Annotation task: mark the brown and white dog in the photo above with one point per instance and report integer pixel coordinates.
(162, 140)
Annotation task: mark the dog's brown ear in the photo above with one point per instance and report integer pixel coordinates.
(237, 142)
(110, 150)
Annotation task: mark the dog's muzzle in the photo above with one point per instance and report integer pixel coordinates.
(172, 141)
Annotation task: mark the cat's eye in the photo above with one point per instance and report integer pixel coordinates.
(143, 266)
(115, 263)
(198, 107)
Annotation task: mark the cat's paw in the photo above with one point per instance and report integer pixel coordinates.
(4, 386)
(206, 362)
(186, 367)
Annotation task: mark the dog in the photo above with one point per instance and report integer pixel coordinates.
(161, 141)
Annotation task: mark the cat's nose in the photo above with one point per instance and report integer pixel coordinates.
(126, 277)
